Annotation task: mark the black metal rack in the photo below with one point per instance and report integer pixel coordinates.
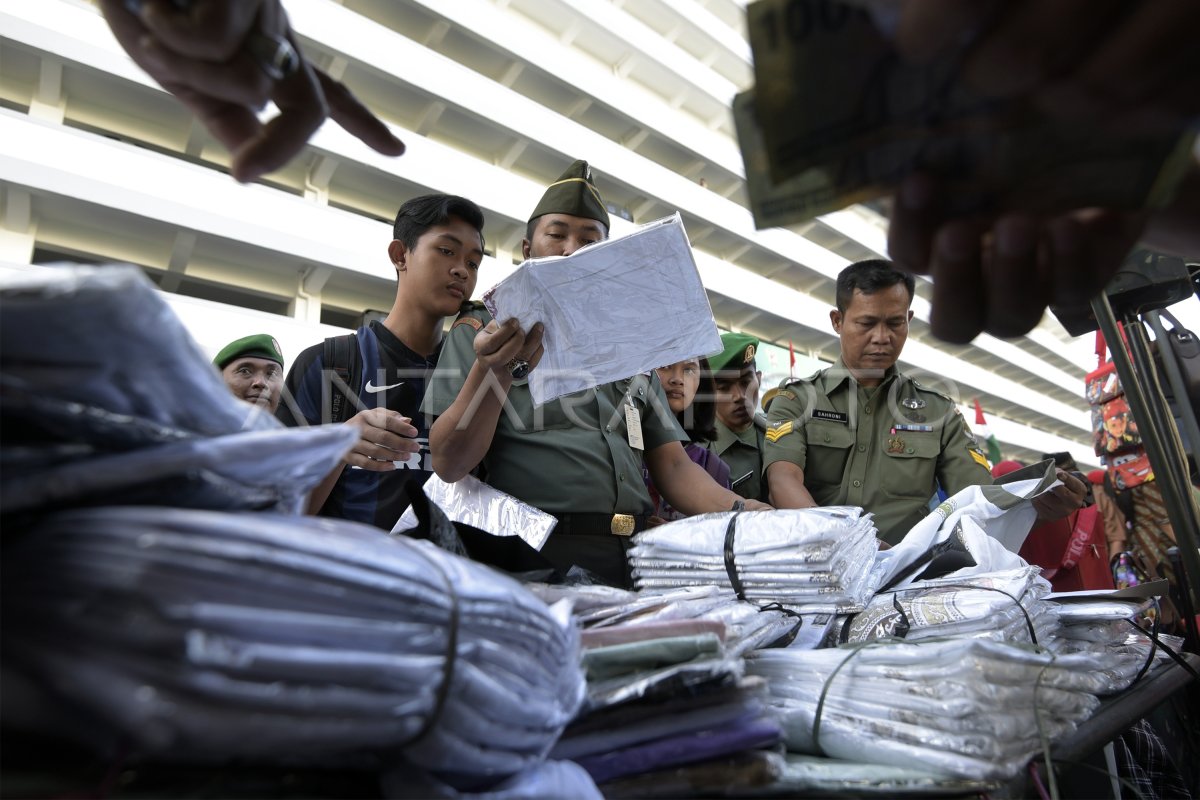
(1149, 282)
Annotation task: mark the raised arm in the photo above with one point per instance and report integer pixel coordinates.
(463, 433)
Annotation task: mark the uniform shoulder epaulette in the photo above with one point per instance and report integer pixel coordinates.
(917, 385)
(473, 314)
(808, 379)
(784, 389)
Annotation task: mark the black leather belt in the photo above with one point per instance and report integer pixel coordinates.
(599, 524)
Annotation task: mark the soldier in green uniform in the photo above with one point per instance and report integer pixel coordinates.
(739, 427)
(579, 457)
(861, 433)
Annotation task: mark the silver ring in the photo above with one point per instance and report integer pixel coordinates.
(519, 368)
(274, 55)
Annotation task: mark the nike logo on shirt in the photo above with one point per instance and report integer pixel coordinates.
(373, 389)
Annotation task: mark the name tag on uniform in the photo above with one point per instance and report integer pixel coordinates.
(834, 416)
(633, 427)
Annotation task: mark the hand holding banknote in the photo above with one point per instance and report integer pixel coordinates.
(1020, 178)
(1107, 64)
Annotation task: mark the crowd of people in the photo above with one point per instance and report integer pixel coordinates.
(642, 450)
(607, 462)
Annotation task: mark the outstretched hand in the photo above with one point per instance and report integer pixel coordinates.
(224, 60)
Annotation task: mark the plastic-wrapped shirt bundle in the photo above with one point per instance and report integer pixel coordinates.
(817, 557)
(965, 707)
(1003, 606)
(665, 690)
(202, 636)
(1100, 627)
(608, 613)
(121, 406)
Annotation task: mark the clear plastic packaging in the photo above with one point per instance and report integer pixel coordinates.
(314, 639)
(120, 405)
(816, 558)
(473, 502)
(989, 522)
(966, 707)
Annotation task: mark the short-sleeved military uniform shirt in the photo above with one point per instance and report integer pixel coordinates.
(571, 455)
(743, 452)
(884, 448)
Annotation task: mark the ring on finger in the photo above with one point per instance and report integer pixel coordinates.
(518, 367)
(274, 55)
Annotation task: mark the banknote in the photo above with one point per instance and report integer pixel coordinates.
(836, 116)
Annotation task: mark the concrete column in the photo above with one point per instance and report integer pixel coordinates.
(17, 227)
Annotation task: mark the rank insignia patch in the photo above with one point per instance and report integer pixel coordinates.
(778, 430)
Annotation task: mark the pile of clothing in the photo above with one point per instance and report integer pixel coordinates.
(165, 607)
(1101, 628)
(668, 708)
(120, 405)
(318, 641)
(815, 558)
(1007, 606)
(971, 708)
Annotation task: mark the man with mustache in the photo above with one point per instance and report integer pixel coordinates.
(860, 433)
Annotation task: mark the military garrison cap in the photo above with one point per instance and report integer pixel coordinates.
(260, 345)
(575, 194)
(738, 353)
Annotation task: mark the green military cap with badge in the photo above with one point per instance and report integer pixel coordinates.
(738, 352)
(575, 194)
(259, 345)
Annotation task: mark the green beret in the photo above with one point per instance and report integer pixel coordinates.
(260, 345)
(738, 353)
(575, 194)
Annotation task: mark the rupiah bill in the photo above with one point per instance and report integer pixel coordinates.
(837, 117)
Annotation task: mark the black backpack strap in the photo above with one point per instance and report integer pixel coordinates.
(1124, 499)
(340, 354)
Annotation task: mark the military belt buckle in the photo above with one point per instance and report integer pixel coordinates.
(622, 524)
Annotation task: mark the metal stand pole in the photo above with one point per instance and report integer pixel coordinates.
(1174, 463)
(1175, 378)
(1164, 456)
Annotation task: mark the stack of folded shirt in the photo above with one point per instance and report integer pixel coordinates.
(818, 558)
(971, 708)
(1100, 627)
(201, 636)
(120, 405)
(747, 626)
(1006, 606)
(666, 694)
